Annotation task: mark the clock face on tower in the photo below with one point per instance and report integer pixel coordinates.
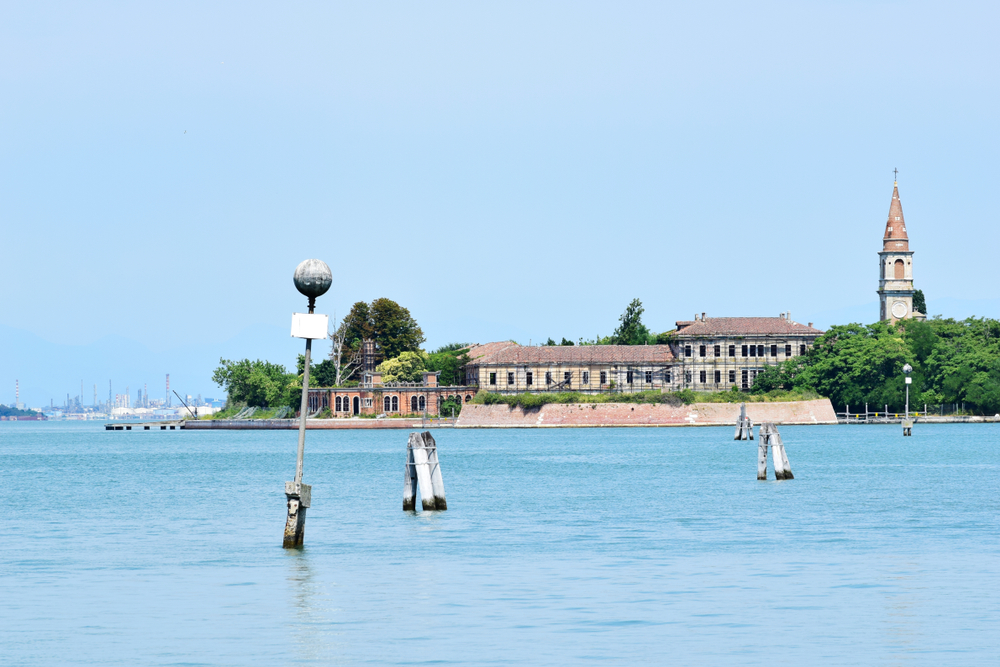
(899, 310)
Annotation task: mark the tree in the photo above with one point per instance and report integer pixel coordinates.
(257, 383)
(407, 367)
(919, 304)
(566, 342)
(394, 329)
(344, 357)
(449, 361)
(631, 330)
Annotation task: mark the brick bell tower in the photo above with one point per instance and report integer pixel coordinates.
(895, 284)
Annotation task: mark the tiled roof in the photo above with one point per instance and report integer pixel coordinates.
(477, 351)
(580, 354)
(745, 326)
(895, 229)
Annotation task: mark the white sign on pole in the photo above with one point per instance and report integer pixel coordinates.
(305, 325)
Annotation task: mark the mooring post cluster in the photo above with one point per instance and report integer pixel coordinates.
(423, 469)
(744, 427)
(770, 438)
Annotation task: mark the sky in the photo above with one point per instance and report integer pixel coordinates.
(516, 170)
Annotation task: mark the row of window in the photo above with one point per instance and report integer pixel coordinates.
(389, 403)
(703, 377)
(529, 377)
(746, 351)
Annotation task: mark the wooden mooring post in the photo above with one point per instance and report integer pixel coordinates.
(424, 470)
(744, 427)
(769, 437)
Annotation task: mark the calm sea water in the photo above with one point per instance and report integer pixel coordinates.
(564, 546)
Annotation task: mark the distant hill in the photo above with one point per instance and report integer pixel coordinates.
(6, 411)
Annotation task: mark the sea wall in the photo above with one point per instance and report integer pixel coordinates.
(556, 415)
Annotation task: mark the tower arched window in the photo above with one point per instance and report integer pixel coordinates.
(898, 270)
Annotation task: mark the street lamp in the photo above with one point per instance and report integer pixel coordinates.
(312, 278)
(907, 424)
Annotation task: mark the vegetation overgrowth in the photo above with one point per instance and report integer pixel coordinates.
(7, 411)
(954, 361)
(683, 397)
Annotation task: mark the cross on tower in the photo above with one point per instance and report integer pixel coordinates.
(894, 174)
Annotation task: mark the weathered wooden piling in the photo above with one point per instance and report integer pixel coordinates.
(299, 498)
(424, 470)
(770, 438)
(744, 427)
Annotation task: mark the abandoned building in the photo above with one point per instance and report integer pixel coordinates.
(373, 396)
(509, 368)
(716, 353)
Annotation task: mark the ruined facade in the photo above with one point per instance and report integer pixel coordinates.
(509, 368)
(895, 261)
(374, 397)
(716, 353)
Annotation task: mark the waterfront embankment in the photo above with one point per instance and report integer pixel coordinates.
(574, 415)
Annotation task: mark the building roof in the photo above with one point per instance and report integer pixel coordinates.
(477, 351)
(895, 226)
(746, 326)
(579, 354)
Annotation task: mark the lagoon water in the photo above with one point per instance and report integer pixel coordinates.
(562, 546)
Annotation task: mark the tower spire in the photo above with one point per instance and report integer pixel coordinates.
(895, 237)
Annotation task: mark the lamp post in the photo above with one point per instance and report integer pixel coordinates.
(312, 278)
(907, 424)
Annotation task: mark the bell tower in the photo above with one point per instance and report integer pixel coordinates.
(895, 273)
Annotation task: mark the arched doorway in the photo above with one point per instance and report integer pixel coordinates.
(357, 405)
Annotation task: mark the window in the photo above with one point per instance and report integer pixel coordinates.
(666, 377)
(423, 403)
(586, 377)
(510, 378)
(802, 349)
(718, 377)
(628, 377)
(548, 377)
(760, 350)
(395, 403)
(744, 378)
(604, 377)
(687, 350)
(388, 404)
(687, 377)
(753, 350)
(732, 350)
(718, 350)
(701, 351)
(788, 350)
(732, 377)
(744, 350)
(649, 377)
(493, 378)
(529, 378)
(567, 376)
(774, 350)
(413, 404)
(368, 402)
(336, 403)
(468, 398)
(701, 377)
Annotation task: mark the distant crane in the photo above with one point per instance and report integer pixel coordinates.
(193, 413)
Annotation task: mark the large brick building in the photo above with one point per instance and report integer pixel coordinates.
(715, 353)
(373, 396)
(509, 368)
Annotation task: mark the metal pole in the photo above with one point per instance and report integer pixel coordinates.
(304, 408)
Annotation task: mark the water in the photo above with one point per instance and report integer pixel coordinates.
(562, 546)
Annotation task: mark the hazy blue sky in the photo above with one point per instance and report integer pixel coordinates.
(515, 170)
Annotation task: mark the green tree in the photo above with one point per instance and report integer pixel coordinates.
(631, 330)
(407, 367)
(394, 329)
(919, 304)
(566, 342)
(449, 360)
(550, 343)
(257, 383)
